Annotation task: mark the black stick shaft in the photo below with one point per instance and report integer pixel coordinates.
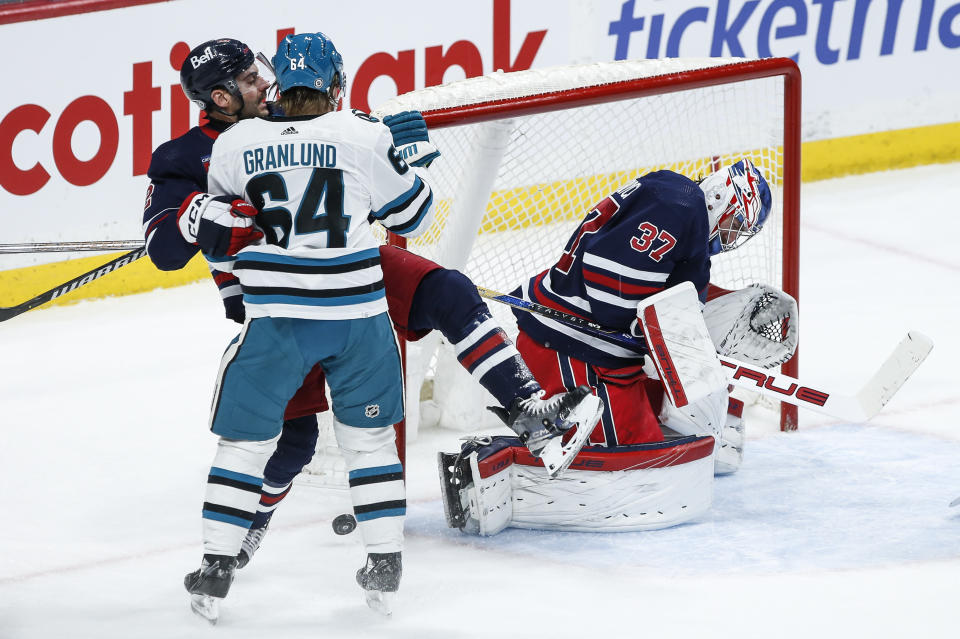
(81, 280)
(584, 325)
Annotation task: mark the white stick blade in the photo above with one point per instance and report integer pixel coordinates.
(905, 359)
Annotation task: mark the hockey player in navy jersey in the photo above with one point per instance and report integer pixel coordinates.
(226, 81)
(653, 233)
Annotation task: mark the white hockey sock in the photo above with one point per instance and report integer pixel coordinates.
(376, 486)
(233, 492)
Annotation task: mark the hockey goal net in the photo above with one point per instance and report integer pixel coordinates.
(526, 155)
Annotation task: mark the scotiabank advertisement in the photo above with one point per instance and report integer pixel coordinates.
(91, 94)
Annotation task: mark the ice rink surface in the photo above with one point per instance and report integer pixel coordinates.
(838, 530)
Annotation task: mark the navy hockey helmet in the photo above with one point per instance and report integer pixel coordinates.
(310, 60)
(211, 65)
(738, 204)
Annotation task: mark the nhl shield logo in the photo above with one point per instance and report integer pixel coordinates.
(372, 410)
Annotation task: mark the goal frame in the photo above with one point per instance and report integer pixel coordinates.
(726, 73)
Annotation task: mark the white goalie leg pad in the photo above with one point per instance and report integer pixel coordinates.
(612, 501)
(705, 416)
(679, 344)
(758, 324)
(729, 454)
(488, 500)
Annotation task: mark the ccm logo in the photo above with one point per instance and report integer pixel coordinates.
(803, 393)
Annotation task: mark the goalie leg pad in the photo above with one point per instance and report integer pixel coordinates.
(489, 498)
(730, 450)
(705, 416)
(657, 486)
(624, 488)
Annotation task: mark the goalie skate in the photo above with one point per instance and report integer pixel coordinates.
(452, 480)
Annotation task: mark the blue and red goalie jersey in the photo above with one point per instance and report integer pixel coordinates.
(649, 235)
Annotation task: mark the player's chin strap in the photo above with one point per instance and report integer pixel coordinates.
(234, 92)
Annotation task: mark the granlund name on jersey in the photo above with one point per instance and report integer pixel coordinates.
(318, 182)
(649, 235)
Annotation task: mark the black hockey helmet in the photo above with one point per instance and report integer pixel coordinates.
(211, 65)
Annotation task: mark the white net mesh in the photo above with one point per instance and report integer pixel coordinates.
(510, 190)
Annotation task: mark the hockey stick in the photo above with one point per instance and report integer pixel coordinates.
(62, 289)
(51, 247)
(861, 407)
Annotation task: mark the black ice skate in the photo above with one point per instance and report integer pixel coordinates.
(208, 585)
(251, 543)
(380, 579)
(542, 423)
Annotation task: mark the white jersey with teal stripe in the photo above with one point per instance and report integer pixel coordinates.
(318, 183)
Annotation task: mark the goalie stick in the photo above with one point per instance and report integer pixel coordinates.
(861, 407)
(80, 280)
(52, 247)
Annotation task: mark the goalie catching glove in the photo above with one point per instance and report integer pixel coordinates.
(409, 131)
(757, 324)
(219, 225)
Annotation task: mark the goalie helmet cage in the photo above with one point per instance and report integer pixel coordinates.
(525, 155)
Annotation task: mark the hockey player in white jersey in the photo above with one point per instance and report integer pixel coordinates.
(313, 291)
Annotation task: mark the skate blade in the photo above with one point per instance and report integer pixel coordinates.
(452, 509)
(556, 456)
(381, 602)
(207, 607)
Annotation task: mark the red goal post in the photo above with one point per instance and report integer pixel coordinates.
(526, 154)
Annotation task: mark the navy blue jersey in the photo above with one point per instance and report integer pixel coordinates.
(178, 168)
(649, 235)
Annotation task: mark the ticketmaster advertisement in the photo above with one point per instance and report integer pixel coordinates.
(91, 94)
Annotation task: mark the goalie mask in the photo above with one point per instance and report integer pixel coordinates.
(310, 60)
(212, 65)
(738, 204)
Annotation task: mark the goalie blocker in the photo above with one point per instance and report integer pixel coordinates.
(494, 483)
